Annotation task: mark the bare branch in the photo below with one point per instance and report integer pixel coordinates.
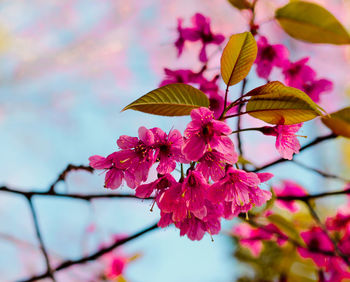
(96, 255)
(66, 171)
(315, 196)
(40, 239)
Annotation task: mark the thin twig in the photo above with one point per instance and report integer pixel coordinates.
(94, 256)
(322, 173)
(65, 172)
(40, 239)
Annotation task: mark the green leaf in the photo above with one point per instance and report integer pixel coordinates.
(276, 103)
(240, 4)
(312, 23)
(176, 99)
(339, 122)
(286, 227)
(238, 57)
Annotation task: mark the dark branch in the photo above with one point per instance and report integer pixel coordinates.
(96, 255)
(315, 196)
(88, 197)
(65, 172)
(40, 239)
(313, 143)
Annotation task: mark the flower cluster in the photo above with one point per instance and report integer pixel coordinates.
(210, 190)
(330, 256)
(200, 31)
(296, 74)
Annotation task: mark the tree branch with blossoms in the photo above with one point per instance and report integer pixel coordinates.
(201, 179)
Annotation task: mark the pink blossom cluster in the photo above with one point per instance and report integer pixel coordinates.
(318, 245)
(296, 74)
(200, 31)
(210, 190)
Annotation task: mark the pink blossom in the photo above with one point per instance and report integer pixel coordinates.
(167, 149)
(195, 228)
(270, 56)
(204, 133)
(116, 266)
(240, 190)
(303, 77)
(212, 164)
(180, 42)
(289, 188)
(297, 73)
(317, 242)
(182, 198)
(287, 143)
(178, 76)
(252, 237)
(114, 167)
(172, 202)
(314, 88)
(159, 185)
(139, 156)
(194, 191)
(200, 31)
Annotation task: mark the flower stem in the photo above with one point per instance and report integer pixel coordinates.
(247, 129)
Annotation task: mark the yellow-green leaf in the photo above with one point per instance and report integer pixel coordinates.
(286, 227)
(238, 57)
(312, 23)
(339, 122)
(240, 4)
(276, 103)
(176, 99)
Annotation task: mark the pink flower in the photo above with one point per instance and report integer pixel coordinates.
(252, 238)
(317, 242)
(314, 88)
(289, 188)
(200, 31)
(116, 266)
(270, 56)
(303, 77)
(195, 228)
(167, 149)
(204, 133)
(287, 143)
(159, 185)
(239, 189)
(140, 156)
(173, 202)
(297, 73)
(178, 76)
(182, 198)
(213, 164)
(194, 191)
(180, 42)
(114, 166)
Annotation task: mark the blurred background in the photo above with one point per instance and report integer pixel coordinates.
(67, 68)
